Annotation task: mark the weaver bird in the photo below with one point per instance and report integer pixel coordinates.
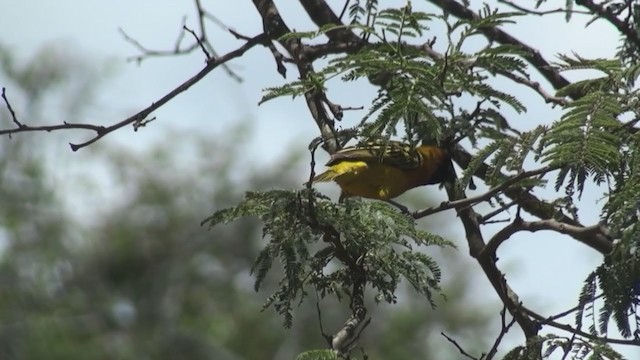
(385, 170)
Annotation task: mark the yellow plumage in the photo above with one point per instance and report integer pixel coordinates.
(384, 171)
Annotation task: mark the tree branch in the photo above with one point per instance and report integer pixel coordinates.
(322, 15)
(460, 349)
(509, 298)
(534, 85)
(8, 104)
(630, 33)
(466, 202)
(495, 34)
(504, 329)
(583, 234)
(140, 116)
(536, 207)
(276, 28)
(539, 12)
(571, 329)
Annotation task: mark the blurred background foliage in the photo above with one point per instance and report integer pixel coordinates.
(137, 277)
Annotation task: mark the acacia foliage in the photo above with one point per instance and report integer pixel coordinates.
(425, 95)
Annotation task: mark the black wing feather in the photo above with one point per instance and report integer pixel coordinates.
(393, 153)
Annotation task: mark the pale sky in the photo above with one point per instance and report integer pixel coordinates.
(546, 270)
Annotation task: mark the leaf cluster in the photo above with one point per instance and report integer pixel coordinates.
(329, 246)
(574, 348)
(414, 100)
(594, 141)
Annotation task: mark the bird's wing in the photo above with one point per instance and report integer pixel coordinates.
(346, 170)
(393, 153)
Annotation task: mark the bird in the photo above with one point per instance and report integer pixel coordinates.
(384, 170)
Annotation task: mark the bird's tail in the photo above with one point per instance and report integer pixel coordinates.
(324, 177)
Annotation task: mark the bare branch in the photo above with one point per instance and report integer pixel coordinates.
(141, 116)
(354, 340)
(322, 15)
(198, 41)
(580, 233)
(455, 343)
(485, 219)
(504, 329)
(13, 113)
(147, 53)
(201, 42)
(473, 234)
(541, 13)
(214, 19)
(326, 337)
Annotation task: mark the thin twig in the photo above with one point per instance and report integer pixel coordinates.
(199, 41)
(573, 309)
(542, 12)
(455, 343)
(533, 56)
(13, 113)
(487, 195)
(147, 53)
(209, 16)
(557, 325)
(324, 335)
(344, 9)
(624, 27)
(485, 218)
(141, 115)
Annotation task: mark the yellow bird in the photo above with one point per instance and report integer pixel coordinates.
(383, 171)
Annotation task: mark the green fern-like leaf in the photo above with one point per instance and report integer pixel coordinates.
(586, 300)
(297, 221)
(584, 141)
(318, 355)
(479, 159)
(618, 279)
